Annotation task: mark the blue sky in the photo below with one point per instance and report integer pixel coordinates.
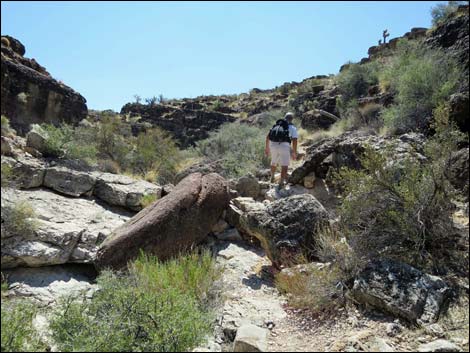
(109, 51)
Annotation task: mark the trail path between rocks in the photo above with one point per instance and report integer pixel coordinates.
(250, 296)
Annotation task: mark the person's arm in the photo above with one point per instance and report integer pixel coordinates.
(266, 149)
(294, 149)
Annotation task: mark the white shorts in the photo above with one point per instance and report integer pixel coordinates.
(280, 153)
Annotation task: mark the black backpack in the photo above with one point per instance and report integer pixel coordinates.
(280, 131)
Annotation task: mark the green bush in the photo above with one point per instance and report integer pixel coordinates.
(355, 80)
(421, 79)
(155, 150)
(18, 219)
(442, 12)
(6, 175)
(156, 307)
(5, 126)
(239, 147)
(18, 333)
(407, 212)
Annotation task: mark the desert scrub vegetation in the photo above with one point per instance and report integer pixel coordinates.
(6, 129)
(154, 307)
(18, 218)
(441, 12)
(315, 287)
(18, 333)
(239, 147)
(110, 145)
(354, 82)
(6, 175)
(402, 209)
(420, 79)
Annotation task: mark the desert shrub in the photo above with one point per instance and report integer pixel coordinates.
(7, 174)
(355, 80)
(402, 209)
(317, 288)
(112, 138)
(442, 12)
(55, 138)
(420, 79)
(155, 150)
(5, 126)
(240, 148)
(18, 333)
(156, 307)
(18, 219)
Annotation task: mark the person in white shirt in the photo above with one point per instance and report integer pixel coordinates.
(280, 148)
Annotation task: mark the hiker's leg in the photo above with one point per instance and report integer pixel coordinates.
(284, 173)
(273, 172)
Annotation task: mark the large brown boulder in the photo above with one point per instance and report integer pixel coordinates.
(171, 225)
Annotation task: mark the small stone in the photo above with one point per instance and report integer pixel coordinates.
(309, 181)
(250, 338)
(435, 330)
(439, 346)
(393, 329)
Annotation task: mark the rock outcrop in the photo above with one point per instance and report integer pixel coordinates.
(186, 125)
(29, 94)
(285, 227)
(401, 290)
(171, 225)
(67, 230)
(346, 150)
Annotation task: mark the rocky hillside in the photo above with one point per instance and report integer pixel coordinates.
(125, 238)
(30, 95)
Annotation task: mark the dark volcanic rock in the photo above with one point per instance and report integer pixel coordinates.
(186, 125)
(169, 226)
(30, 95)
(347, 149)
(401, 290)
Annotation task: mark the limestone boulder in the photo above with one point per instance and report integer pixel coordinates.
(69, 182)
(66, 230)
(120, 190)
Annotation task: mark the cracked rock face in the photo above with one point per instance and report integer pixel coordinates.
(67, 230)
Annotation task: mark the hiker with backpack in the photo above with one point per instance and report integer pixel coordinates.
(278, 143)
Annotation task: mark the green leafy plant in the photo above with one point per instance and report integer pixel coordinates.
(154, 307)
(18, 333)
(421, 79)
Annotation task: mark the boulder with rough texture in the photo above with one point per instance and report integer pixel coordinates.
(401, 290)
(248, 186)
(250, 338)
(169, 226)
(120, 190)
(29, 94)
(66, 230)
(36, 139)
(69, 182)
(314, 120)
(284, 227)
(7, 148)
(347, 149)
